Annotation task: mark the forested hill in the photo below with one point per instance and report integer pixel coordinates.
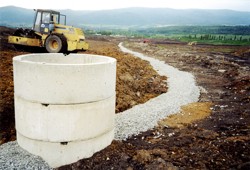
(15, 16)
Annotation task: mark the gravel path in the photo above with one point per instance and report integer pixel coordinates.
(181, 90)
(13, 157)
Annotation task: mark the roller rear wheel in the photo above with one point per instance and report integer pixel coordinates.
(55, 44)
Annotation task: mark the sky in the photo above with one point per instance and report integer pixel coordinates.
(239, 5)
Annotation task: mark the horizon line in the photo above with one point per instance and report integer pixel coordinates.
(127, 8)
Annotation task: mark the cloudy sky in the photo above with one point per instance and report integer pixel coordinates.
(240, 5)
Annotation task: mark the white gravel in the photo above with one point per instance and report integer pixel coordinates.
(13, 157)
(181, 90)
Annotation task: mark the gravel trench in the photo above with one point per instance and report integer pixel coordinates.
(181, 91)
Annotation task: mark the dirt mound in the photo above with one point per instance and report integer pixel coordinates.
(4, 33)
(243, 53)
(137, 82)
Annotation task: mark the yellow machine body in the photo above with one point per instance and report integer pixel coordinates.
(24, 41)
(51, 34)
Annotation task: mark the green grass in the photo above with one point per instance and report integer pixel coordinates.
(216, 35)
(217, 39)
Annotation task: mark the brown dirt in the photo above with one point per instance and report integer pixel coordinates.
(188, 114)
(137, 82)
(219, 141)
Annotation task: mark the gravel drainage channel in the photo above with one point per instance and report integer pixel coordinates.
(181, 91)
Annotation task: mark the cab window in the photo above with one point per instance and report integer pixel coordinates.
(55, 18)
(46, 17)
(37, 22)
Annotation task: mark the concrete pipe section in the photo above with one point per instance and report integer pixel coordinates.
(64, 105)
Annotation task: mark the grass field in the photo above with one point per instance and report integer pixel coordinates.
(217, 35)
(217, 39)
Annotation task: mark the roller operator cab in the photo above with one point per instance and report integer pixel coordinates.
(51, 32)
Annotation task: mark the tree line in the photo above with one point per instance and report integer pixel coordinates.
(219, 37)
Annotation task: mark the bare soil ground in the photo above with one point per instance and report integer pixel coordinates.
(219, 138)
(215, 133)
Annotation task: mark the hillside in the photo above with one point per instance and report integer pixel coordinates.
(15, 16)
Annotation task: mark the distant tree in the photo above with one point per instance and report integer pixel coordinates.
(105, 32)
